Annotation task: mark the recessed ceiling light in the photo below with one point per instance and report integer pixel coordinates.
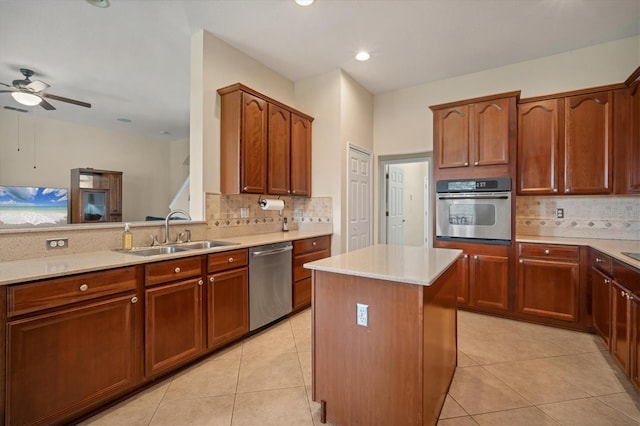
(99, 3)
(164, 132)
(304, 2)
(363, 56)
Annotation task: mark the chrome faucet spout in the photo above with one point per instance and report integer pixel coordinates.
(168, 218)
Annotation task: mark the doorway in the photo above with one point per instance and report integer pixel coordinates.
(404, 199)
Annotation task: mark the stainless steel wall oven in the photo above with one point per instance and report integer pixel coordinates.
(474, 210)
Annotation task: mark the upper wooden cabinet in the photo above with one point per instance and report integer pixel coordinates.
(96, 196)
(265, 146)
(475, 137)
(567, 142)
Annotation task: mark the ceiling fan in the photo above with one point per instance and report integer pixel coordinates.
(31, 93)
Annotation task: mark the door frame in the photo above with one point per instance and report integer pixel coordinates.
(383, 161)
(350, 147)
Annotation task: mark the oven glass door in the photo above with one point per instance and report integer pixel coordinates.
(474, 215)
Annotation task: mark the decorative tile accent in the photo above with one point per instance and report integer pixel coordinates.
(223, 214)
(616, 218)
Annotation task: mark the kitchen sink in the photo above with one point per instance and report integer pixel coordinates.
(152, 251)
(203, 244)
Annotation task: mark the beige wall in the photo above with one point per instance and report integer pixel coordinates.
(56, 147)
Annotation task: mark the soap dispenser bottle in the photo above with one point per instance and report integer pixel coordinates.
(127, 238)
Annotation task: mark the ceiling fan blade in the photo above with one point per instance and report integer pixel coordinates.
(46, 105)
(7, 91)
(60, 98)
(37, 86)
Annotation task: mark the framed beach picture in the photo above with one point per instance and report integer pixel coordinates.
(27, 206)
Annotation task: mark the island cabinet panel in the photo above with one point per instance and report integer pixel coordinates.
(61, 364)
(549, 281)
(227, 297)
(397, 369)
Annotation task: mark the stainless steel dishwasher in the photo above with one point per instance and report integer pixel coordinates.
(269, 283)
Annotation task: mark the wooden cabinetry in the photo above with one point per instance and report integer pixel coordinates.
(483, 276)
(566, 141)
(71, 346)
(549, 281)
(623, 283)
(627, 135)
(173, 320)
(96, 196)
(304, 251)
(265, 146)
(477, 134)
(227, 297)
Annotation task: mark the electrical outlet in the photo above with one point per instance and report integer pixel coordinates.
(362, 315)
(244, 212)
(559, 213)
(57, 243)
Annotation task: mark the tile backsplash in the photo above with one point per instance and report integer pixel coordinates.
(615, 218)
(223, 214)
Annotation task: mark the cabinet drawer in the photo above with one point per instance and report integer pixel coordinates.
(601, 262)
(171, 270)
(299, 272)
(227, 260)
(627, 276)
(312, 244)
(25, 298)
(549, 251)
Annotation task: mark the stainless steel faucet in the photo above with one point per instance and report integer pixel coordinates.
(166, 222)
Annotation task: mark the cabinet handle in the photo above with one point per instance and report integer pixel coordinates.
(200, 282)
(211, 279)
(555, 190)
(231, 260)
(598, 260)
(466, 164)
(476, 163)
(606, 281)
(84, 287)
(134, 299)
(521, 260)
(547, 251)
(177, 270)
(622, 293)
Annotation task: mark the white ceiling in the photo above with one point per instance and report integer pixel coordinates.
(131, 60)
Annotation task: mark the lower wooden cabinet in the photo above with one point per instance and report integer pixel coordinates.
(304, 251)
(227, 297)
(621, 330)
(634, 374)
(63, 362)
(601, 305)
(549, 281)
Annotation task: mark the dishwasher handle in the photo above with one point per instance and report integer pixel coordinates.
(270, 252)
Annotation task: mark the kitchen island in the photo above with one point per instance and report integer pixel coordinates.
(384, 334)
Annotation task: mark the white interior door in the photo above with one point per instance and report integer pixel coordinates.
(395, 205)
(359, 208)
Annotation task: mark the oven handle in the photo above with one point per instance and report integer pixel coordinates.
(269, 252)
(473, 197)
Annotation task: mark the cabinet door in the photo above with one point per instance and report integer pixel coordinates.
(635, 342)
(588, 143)
(539, 139)
(626, 109)
(633, 162)
(227, 306)
(253, 158)
(452, 136)
(173, 325)
(491, 132)
(620, 314)
(279, 151)
(463, 280)
(601, 304)
(488, 278)
(115, 197)
(300, 155)
(71, 360)
(548, 289)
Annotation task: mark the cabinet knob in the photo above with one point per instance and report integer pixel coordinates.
(84, 287)
(622, 293)
(288, 191)
(245, 188)
(476, 163)
(466, 256)
(475, 257)
(314, 243)
(177, 270)
(293, 192)
(211, 279)
(555, 190)
(521, 260)
(466, 164)
(547, 251)
(231, 260)
(567, 190)
(134, 299)
(598, 260)
(606, 281)
(200, 282)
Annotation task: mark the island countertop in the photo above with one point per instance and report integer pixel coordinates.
(406, 264)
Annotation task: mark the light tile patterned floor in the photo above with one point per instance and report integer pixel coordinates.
(509, 373)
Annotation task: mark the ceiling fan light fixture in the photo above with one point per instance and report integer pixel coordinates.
(28, 99)
(99, 3)
(304, 2)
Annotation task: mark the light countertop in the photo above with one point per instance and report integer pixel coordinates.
(406, 264)
(613, 248)
(50, 267)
